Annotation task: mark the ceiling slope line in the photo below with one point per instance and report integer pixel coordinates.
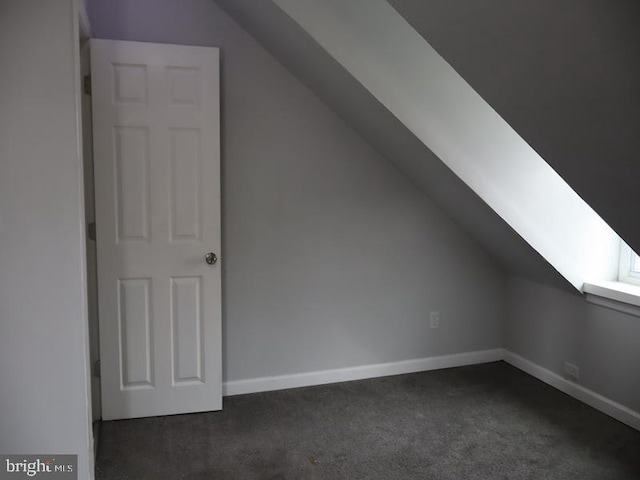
(398, 67)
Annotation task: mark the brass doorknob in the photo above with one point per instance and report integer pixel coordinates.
(211, 258)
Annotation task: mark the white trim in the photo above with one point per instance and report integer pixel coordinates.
(279, 382)
(628, 272)
(614, 295)
(591, 398)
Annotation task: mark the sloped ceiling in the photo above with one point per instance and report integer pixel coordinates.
(296, 50)
(565, 75)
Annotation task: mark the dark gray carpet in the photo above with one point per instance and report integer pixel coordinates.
(481, 422)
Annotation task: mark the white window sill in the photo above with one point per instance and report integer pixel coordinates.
(615, 295)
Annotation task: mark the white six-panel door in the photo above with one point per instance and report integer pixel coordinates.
(157, 182)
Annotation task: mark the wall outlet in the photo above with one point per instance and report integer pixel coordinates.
(435, 319)
(571, 371)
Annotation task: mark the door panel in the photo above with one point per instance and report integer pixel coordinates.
(157, 179)
(186, 321)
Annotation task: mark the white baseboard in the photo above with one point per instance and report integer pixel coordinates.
(280, 382)
(591, 398)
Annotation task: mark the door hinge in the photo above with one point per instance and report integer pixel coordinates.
(86, 84)
(91, 231)
(96, 368)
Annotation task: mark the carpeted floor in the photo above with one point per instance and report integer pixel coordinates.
(484, 422)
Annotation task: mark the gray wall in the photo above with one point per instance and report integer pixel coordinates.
(44, 383)
(332, 258)
(549, 327)
(565, 75)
